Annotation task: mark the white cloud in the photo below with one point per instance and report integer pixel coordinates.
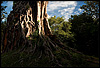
(49, 16)
(65, 8)
(53, 5)
(9, 6)
(76, 13)
(4, 19)
(67, 12)
(10, 3)
(79, 9)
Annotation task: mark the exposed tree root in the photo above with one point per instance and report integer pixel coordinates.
(44, 46)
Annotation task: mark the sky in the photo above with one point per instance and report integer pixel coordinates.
(57, 8)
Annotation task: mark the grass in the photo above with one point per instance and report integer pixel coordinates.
(77, 60)
(66, 59)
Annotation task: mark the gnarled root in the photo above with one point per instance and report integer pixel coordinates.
(44, 46)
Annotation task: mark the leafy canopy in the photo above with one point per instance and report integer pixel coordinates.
(91, 8)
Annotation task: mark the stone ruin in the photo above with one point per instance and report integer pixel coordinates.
(23, 21)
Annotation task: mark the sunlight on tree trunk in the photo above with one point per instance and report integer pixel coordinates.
(28, 32)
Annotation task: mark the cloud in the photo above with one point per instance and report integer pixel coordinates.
(3, 19)
(63, 8)
(76, 13)
(80, 10)
(53, 5)
(10, 3)
(69, 10)
(9, 6)
(49, 16)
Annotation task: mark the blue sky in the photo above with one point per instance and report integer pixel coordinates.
(57, 8)
(64, 8)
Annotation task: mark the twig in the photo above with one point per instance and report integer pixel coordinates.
(40, 54)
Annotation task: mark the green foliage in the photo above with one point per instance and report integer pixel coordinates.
(61, 29)
(91, 8)
(85, 31)
(55, 22)
(64, 29)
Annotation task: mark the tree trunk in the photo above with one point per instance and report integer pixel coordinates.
(26, 18)
(23, 21)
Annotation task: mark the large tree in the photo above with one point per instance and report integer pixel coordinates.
(28, 28)
(29, 40)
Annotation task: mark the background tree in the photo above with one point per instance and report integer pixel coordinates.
(86, 28)
(61, 29)
(86, 33)
(91, 8)
(55, 22)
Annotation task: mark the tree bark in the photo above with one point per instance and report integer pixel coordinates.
(23, 21)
